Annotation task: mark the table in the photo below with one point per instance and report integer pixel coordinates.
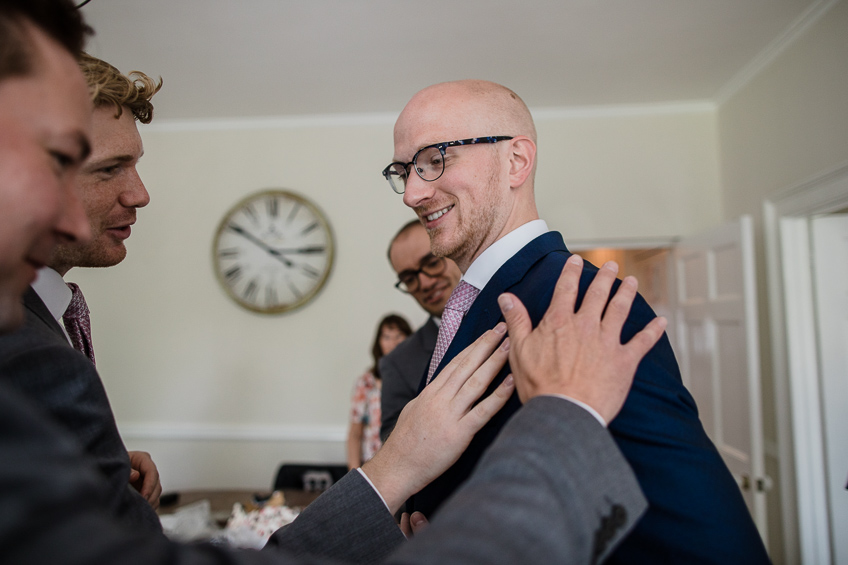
(221, 500)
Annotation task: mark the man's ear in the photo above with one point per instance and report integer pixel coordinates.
(522, 160)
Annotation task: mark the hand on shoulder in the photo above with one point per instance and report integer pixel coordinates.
(579, 354)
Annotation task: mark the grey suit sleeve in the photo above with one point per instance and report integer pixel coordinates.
(54, 510)
(553, 488)
(348, 523)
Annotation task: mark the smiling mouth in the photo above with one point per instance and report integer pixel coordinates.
(434, 295)
(436, 215)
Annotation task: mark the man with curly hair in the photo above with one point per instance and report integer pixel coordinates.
(109, 185)
(51, 358)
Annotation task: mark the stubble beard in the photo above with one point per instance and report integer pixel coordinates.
(92, 254)
(470, 234)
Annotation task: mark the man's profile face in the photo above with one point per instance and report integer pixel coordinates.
(110, 189)
(464, 210)
(409, 251)
(44, 126)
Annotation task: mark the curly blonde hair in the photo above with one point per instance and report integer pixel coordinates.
(108, 85)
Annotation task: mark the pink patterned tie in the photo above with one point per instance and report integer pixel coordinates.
(458, 304)
(78, 323)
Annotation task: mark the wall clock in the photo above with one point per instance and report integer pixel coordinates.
(273, 251)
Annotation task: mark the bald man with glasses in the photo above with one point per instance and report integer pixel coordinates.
(53, 508)
(476, 198)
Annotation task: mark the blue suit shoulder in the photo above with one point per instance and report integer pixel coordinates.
(697, 513)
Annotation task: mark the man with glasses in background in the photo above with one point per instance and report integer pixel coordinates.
(430, 280)
(475, 197)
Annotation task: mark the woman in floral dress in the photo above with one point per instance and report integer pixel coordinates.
(363, 439)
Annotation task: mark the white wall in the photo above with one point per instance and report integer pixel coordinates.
(788, 124)
(219, 395)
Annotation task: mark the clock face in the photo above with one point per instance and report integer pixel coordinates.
(273, 251)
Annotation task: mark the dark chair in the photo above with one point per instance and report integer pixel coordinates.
(308, 476)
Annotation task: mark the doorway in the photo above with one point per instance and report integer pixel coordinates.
(705, 286)
(813, 495)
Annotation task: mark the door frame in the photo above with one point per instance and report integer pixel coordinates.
(786, 220)
(713, 311)
(668, 243)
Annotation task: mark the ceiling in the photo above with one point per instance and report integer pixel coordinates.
(247, 58)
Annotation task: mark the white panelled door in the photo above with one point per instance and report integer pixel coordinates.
(830, 262)
(718, 349)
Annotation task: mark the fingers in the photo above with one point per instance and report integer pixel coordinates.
(598, 292)
(566, 289)
(150, 484)
(412, 525)
(419, 522)
(619, 307)
(491, 405)
(153, 499)
(405, 526)
(643, 341)
(466, 364)
(515, 314)
(477, 383)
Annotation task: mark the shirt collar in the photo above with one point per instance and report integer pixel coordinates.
(487, 264)
(51, 288)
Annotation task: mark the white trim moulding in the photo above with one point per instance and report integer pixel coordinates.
(777, 46)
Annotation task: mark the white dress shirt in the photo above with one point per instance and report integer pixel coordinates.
(481, 271)
(493, 258)
(52, 290)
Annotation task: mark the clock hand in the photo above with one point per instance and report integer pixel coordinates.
(304, 250)
(250, 237)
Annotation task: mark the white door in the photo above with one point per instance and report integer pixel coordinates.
(653, 268)
(830, 263)
(718, 347)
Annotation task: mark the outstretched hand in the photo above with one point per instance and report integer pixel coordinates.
(579, 354)
(435, 428)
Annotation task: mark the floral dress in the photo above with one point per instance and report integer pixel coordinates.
(366, 410)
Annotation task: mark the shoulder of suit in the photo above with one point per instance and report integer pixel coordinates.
(413, 345)
(36, 344)
(35, 332)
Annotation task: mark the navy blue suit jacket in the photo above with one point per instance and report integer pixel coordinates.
(696, 512)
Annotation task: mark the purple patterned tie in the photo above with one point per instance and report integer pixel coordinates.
(78, 323)
(458, 304)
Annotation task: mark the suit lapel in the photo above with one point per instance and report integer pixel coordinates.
(485, 313)
(429, 335)
(34, 304)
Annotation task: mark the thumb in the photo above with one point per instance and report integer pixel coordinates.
(517, 320)
(419, 522)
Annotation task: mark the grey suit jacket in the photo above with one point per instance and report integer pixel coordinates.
(552, 489)
(38, 361)
(401, 372)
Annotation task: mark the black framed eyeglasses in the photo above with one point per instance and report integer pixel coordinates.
(409, 280)
(429, 161)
